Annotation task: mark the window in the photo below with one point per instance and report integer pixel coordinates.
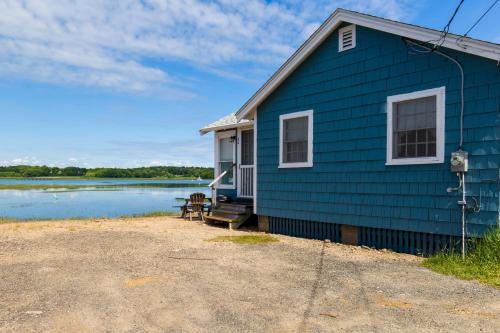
(225, 158)
(415, 127)
(296, 134)
(347, 38)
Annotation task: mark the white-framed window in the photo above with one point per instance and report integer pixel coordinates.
(225, 157)
(347, 37)
(415, 127)
(296, 140)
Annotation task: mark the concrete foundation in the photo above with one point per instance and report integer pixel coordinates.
(349, 234)
(263, 223)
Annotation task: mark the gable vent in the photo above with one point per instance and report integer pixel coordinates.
(347, 38)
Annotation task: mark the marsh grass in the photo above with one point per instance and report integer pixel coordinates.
(4, 219)
(83, 187)
(158, 213)
(245, 239)
(482, 263)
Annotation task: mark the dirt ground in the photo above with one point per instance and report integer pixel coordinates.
(162, 275)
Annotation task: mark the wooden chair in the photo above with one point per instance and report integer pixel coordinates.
(196, 205)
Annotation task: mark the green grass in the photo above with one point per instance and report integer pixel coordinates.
(482, 263)
(4, 219)
(113, 187)
(151, 214)
(7, 220)
(246, 239)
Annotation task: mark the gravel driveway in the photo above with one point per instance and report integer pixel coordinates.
(162, 275)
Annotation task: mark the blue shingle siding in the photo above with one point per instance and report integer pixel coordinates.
(349, 182)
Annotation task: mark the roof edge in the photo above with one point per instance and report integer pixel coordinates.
(467, 45)
(206, 130)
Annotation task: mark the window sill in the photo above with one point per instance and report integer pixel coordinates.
(415, 161)
(295, 165)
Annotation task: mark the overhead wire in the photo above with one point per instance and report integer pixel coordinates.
(459, 40)
(427, 49)
(446, 29)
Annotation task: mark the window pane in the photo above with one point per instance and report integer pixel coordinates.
(411, 150)
(412, 136)
(295, 140)
(401, 151)
(228, 179)
(421, 135)
(295, 129)
(421, 150)
(414, 124)
(431, 149)
(225, 149)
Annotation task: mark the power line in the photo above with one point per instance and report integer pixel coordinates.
(446, 28)
(482, 16)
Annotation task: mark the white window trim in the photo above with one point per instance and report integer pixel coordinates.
(309, 163)
(217, 137)
(440, 129)
(341, 32)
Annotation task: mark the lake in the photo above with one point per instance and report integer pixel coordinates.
(72, 198)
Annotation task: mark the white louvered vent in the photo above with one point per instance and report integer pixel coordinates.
(347, 38)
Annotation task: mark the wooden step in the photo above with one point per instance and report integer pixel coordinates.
(221, 219)
(235, 217)
(234, 207)
(229, 215)
(229, 211)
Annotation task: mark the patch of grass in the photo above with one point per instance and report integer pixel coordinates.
(7, 220)
(151, 214)
(55, 219)
(482, 263)
(4, 219)
(245, 239)
(112, 187)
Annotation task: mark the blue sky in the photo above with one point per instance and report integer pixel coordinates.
(129, 83)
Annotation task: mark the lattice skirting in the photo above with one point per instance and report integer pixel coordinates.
(397, 240)
(305, 229)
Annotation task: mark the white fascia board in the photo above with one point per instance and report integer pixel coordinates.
(467, 45)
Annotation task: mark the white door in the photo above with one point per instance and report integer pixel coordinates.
(245, 163)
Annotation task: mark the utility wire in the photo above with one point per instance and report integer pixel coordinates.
(446, 29)
(426, 49)
(480, 18)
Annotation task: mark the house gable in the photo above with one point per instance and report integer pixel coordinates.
(341, 17)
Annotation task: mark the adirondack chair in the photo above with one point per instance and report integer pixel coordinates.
(196, 205)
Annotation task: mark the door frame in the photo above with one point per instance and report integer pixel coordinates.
(238, 157)
(217, 137)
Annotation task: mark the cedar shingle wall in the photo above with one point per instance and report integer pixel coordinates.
(349, 182)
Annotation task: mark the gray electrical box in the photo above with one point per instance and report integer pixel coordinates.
(459, 161)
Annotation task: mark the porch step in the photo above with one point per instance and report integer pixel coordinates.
(221, 219)
(233, 207)
(230, 211)
(233, 213)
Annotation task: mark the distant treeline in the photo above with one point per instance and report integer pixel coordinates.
(144, 172)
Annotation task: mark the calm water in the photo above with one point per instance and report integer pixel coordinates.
(113, 201)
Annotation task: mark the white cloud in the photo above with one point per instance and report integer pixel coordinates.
(129, 45)
(25, 160)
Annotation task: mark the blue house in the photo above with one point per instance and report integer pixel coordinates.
(374, 132)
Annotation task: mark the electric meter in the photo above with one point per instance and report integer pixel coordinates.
(459, 161)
